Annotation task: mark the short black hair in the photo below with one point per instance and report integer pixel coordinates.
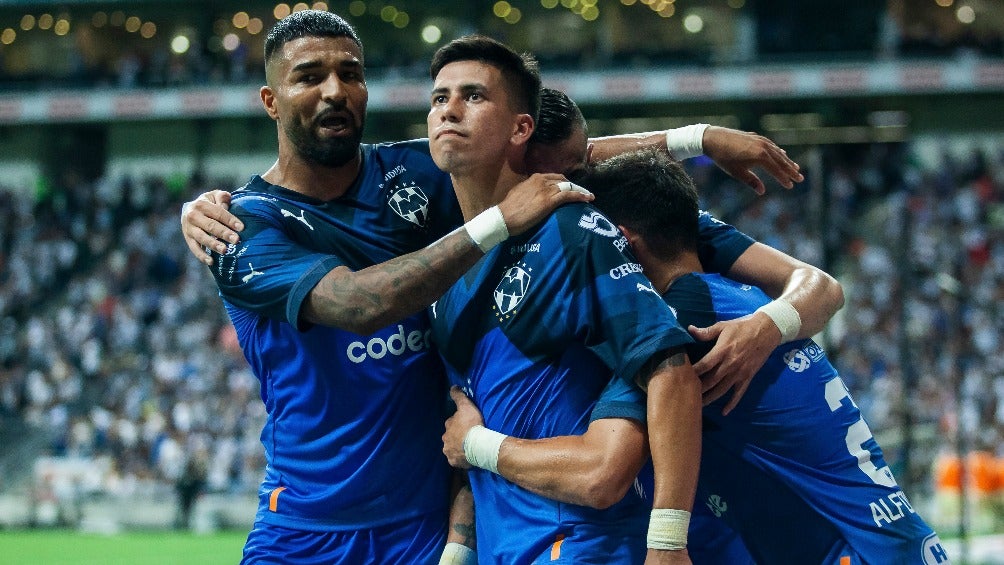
(650, 193)
(559, 115)
(307, 23)
(520, 71)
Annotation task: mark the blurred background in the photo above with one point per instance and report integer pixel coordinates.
(125, 402)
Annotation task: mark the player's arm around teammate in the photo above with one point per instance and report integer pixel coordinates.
(368, 299)
(207, 223)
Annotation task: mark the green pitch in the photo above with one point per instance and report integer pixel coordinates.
(47, 547)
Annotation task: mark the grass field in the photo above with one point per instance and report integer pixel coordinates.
(57, 547)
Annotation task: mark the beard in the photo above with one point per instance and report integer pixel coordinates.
(330, 152)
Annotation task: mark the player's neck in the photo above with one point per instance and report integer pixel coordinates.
(480, 189)
(664, 273)
(311, 179)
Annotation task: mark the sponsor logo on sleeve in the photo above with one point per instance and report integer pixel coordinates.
(797, 360)
(627, 269)
(934, 553)
(717, 505)
(300, 218)
(598, 223)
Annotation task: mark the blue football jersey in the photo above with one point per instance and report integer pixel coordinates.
(794, 455)
(533, 333)
(345, 411)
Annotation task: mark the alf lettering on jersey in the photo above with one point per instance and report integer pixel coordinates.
(890, 508)
(396, 344)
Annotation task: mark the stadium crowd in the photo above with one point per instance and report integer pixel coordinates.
(113, 341)
(110, 57)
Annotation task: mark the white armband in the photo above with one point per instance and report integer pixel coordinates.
(458, 554)
(481, 447)
(785, 317)
(686, 142)
(667, 529)
(487, 229)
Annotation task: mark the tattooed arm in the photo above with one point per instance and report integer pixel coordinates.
(366, 300)
(462, 513)
(371, 298)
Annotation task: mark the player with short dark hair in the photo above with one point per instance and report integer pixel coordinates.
(344, 246)
(535, 330)
(795, 454)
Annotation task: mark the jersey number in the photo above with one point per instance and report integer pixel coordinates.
(857, 436)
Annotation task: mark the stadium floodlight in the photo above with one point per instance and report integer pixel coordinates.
(180, 44)
(431, 34)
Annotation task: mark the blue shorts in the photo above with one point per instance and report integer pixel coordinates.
(585, 546)
(417, 541)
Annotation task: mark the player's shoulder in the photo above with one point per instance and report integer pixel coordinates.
(261, 198)
(410, 148)
(580, 221)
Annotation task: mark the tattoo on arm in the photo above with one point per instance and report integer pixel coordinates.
(675, 357)
(371, 298)
(465, 530)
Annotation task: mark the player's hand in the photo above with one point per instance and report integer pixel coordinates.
(466, 417)
(206, 222)
(665, 557)
(530, 201)
(741, 348)
(737, 152)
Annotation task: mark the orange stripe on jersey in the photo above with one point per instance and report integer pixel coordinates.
(273, 499)
(845, 560)
(556, 548)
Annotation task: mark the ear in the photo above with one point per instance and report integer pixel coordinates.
(268, 101)
(522, 130)
(589, 153)
(634, 240)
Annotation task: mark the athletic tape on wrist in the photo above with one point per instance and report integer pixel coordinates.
(487, 229)
(458, 554)
(686, 142)
(667, 529)
(481, 447)
(785, 317)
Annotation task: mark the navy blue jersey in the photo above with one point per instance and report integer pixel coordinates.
(795, 450)
(352, 438)
(533, 333)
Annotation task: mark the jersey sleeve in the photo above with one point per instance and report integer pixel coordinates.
(267, 272)
(614, 310)
(719, 244)
(620, 399)
(690, 298)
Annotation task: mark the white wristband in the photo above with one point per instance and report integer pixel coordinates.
(686, 142)
(785, 317)
(667, 529)
(458, 554)
(481, 447)
(487, 229)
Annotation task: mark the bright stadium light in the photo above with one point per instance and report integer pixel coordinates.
(966, 14)
(693, 23)
(231, 41)
(8, 36)
(281, 11)
(180, 44)
(27, 22)
(431, 34)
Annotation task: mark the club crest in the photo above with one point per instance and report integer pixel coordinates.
(511, 290)
(410, 203)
